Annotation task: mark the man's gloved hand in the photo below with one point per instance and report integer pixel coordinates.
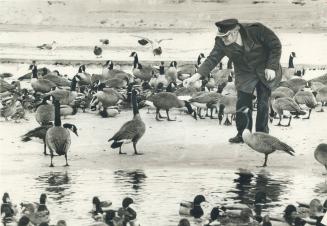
(270, 74)
(189, 81)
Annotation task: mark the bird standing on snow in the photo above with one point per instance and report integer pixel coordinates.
(155, 44)
(263, 142)
(132, 130)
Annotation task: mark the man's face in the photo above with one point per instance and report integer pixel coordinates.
(230, 37)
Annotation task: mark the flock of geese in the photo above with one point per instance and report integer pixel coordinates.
(52, 96)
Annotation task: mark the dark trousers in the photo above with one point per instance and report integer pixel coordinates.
(245, 99)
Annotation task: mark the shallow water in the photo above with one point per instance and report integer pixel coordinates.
(157, 192)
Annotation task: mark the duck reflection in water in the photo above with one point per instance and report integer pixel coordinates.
(57, 184)
(135, 178)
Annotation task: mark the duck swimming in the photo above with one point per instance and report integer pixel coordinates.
(194, 208)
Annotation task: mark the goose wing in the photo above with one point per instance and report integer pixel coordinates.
(288, 104)
(273, 142)
(143, 40)
(38, 132)
(129, 131)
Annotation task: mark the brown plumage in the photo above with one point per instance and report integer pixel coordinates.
(320, 154)
(166, 101)
(294, 84)
(57, 137)
(55, 78)
(131, 131)
(307, 98)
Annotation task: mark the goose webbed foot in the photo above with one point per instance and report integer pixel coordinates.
(138, 153)
(296, 116)
(135, 151)
(51, 165)
(321, 110)
(66, 165)
(160, 116)
(168, 118)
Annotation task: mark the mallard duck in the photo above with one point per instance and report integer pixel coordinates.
(47, 46)
(131, 131)
(57, 137)
(194, 208)
(126, 213)
(8, 210)
(36, 212)
(38, 132)
(99, 207)
(263, 142)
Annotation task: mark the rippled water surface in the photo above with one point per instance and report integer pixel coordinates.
(157, 192)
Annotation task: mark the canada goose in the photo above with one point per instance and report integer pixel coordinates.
(294, 84)
(65, 97)
(282, 91)
(143, 72)
(51, 46)
(321, 154)
(116, 83)
(6, 75)
(57, 137)
(187, 70)
(38, 132)
(110, 72)
(67, 110)
(229, 88)
(211, 83)
(97, 51)
(39, 72)
(159, 81)
(322, 96)
(9, 110)
(107, 96)
(204, 100)
(306, 98)
(57, 79)
(315, 86)
(83, 76)
(131, 131)
(263, 142)
(282, 104)
(166, 101)
(42, 85)
(227, 105)
(155, 44)
(194, 208)
(44, 112)
(322, 79)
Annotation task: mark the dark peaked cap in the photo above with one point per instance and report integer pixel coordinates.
(225, 26)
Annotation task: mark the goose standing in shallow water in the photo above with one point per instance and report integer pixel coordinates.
(321, 154)
(132, 130)
(263, 142)
(58, 137)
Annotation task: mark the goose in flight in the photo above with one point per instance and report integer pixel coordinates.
(155, 44)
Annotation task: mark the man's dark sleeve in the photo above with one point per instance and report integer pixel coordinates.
(212, 60)
(270, 40)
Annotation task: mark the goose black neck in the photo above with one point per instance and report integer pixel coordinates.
(134, 103)
(199, 60)
(73, 84)
(290, 62)
(57, 120)
(162, 70)
(111, 66)
(136, 61)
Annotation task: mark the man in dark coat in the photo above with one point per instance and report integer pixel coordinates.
(255, 51)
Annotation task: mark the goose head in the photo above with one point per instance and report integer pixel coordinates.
(173, 64)
(133, 54)
(126, 202)
(72, 127)
(5, 198)
(215, 213)
(96, 204)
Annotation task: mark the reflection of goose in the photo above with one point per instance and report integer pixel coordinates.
(263, 142)
(134, 177)
(155, 44)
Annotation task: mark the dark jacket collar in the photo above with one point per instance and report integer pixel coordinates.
(246, 38)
